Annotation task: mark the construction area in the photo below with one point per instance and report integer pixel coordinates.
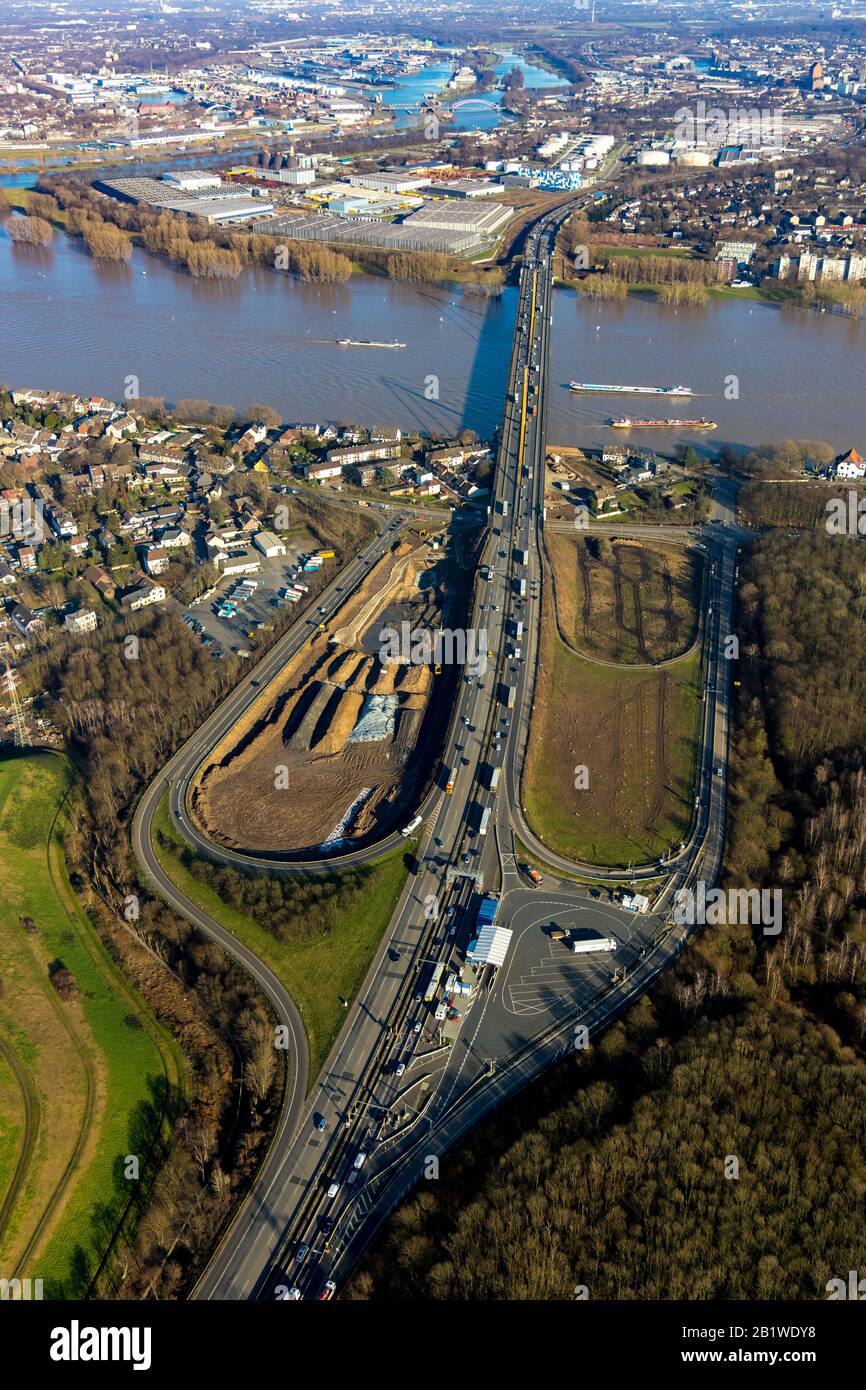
(338, 747)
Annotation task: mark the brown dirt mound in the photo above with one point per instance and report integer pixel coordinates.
(342, 721)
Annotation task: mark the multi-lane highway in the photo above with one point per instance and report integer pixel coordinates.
(393, 1091)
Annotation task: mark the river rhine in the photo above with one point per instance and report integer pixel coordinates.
(68, 322)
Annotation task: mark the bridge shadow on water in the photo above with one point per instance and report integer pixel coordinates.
(478, 401)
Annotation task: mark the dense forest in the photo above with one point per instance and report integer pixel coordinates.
(615, 1173)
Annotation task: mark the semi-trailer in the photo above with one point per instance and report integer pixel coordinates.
(586, 945)
(411, 827)
(493, 775)
(512, 696)
(485, 821)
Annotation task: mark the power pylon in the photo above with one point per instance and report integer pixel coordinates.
(22, 737)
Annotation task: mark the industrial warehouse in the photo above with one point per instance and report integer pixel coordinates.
(194, 192)
(457, 229)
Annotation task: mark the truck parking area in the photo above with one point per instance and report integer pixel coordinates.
(229, 616)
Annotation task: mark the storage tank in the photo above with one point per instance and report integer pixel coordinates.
(653, 158)
(694, 159)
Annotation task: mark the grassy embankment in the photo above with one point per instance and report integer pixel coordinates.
(83, 1076)
(633, 727)
(319, 971)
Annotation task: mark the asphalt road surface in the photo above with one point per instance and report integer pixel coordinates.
(392, 1093)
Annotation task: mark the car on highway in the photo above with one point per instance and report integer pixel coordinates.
(400, 1068)
(393, 955)
(333, 1189)
(320, 1122)
(328, 1291)
(326, 1224)
(416, 1027)
(301, 1253)
(360, 1158)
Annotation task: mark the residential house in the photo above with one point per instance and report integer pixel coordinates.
(25, 621)
(175, 539)
(142, 595)
(319, 471)
(156, 560)
(62, 522)
(84, 620)
(850, 465)
(101, 581)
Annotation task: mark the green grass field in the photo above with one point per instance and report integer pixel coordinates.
(97, 1063)
(317, 972)
(635, 731)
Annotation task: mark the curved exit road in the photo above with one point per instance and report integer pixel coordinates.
(389, 1089)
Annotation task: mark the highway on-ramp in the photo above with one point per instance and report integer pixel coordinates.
(391, 1092)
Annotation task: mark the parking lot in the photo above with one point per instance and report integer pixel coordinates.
(256, 607)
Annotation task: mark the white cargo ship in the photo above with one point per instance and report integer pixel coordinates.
(632, 390)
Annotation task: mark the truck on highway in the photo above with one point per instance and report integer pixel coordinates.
(449, 781)
(494, 774)
(534, 877)
(521, 588)
(517, 627)
(411, 827)
(485, 821)
(587, 945)
(512, 696)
